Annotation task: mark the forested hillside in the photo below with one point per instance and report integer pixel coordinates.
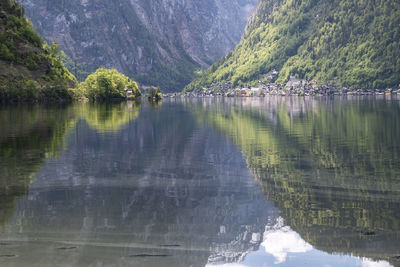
(29, 70)
(157, 43)
(348, 43)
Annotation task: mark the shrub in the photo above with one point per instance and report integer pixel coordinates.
(105, 84)
(154, 94)
(5, 53)
(32, 91)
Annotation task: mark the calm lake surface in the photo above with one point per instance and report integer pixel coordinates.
(202, 182)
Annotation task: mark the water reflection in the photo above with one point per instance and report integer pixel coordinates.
(108, 117)
(279, 181)
(331, 166)
(160, 190)
(279, 240)
(28, 135)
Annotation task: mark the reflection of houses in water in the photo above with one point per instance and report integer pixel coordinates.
(268, 106)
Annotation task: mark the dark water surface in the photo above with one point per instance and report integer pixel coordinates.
(202, 182)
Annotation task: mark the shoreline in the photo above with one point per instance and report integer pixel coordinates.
(259, 93)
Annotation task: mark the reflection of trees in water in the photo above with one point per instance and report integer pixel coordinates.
(331, 167)
(108, 117)
(28, 135)
(31, 133)
(163, 182)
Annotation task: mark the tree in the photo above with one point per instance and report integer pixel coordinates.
(154, 94)
(106, 84)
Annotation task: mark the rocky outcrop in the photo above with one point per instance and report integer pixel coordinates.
(158, 42)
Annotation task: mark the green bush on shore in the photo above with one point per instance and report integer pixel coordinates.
(154, 94)
(105, 84)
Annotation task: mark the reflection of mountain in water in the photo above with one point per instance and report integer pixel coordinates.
(160, 190)
(331, 167)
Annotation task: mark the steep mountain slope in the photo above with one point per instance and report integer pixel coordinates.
(157, 42)
(28, 70)
(353, 43)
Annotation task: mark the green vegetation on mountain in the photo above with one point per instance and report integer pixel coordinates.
(107, 84)
(29, 70)
(351, 43)
(79, 70)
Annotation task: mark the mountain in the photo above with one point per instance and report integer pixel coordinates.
(156, 42)
(28, 69)
(350, 43)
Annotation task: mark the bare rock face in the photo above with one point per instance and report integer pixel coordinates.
(158, 42)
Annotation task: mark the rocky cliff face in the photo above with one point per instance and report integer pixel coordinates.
(158, 42)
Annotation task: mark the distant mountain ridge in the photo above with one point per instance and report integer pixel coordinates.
(348, 43)
(157, 42)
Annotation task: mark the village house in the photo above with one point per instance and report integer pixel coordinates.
(244, 92)
(129, 93)
(294, 83)
(257, 91)
(272, 76)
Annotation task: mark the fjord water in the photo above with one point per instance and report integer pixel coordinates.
(202, 182)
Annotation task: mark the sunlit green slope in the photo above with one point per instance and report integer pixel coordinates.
(351, 43)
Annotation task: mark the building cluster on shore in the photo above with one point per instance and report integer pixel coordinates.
(294, 86)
